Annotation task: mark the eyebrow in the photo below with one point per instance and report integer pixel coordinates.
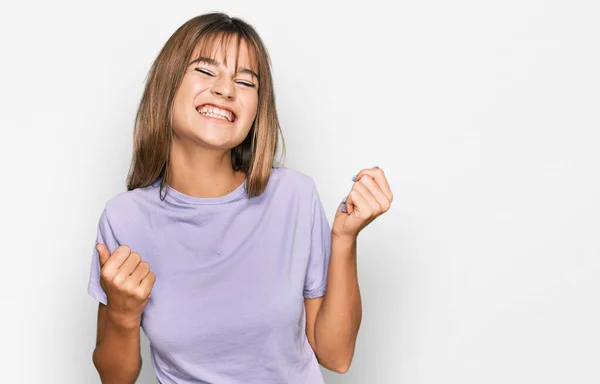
(210, 61)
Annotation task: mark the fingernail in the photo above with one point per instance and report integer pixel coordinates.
(375, 167)
(344, 208)
(343, 201)
(354, 177)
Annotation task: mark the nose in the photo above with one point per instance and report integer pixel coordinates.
(224, 88)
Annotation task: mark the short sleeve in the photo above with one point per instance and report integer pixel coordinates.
(105, 236)
(315, 282)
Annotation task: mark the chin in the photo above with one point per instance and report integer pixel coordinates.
(217, 138)
(217, 142)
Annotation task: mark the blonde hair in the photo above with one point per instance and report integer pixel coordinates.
(153, 131)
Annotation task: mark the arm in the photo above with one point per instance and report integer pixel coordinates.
(333, 321)
(117, 355)
(127, 282)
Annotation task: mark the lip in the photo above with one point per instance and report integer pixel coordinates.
(220, 107)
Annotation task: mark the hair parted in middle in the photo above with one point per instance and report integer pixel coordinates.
(153, 131)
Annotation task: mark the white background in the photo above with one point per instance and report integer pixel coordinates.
(483, 114)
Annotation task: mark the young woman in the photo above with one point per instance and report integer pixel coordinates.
(226, 261)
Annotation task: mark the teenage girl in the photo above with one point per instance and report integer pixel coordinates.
(226, 261)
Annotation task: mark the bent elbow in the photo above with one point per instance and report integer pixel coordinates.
(342, 368)
(336, 359)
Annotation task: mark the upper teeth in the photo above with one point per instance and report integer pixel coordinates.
(216, 111)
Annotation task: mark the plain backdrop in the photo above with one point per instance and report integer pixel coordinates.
(483, 114)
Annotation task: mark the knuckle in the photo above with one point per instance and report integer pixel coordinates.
(105, 274)
(117, 281)
(144, 266)
(124, 248)
(140, 293)
(131, 290)
(135, 257)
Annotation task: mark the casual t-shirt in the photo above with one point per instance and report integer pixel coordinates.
(232, 273)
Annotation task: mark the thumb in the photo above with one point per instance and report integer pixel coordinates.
(346, 206)
(103, 253)
(342, 208)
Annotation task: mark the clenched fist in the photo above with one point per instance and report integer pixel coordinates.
(127, 281)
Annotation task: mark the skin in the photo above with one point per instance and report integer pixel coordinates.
(201, 167)
(333, 320)
(200, 154)
(127, 282)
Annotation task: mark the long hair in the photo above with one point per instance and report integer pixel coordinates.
(153, 132)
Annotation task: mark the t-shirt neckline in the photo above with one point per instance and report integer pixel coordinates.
(174, 195)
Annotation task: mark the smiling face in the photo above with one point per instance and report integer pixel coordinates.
(214, 106)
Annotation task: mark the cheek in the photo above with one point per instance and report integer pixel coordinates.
(183, 107)
(251, 108)
(178, 114)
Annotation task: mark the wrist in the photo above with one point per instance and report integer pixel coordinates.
(343, 241)
(123, 321)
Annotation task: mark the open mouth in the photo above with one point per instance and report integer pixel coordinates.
(208, 110)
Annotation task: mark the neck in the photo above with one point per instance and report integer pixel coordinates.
(202, 172)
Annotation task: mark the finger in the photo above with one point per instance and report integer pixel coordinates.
(343, 205)
(348, 206)
(371, 205)
(379, 176)
(127, 267)
(140, 272)
(383, 203)
(147, 283)
(115, 260)
(103, 253)
(357, 202)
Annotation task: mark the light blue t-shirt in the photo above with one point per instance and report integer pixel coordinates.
(232, 273)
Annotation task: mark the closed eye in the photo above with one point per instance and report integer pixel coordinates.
(211, 75)
(205, 72)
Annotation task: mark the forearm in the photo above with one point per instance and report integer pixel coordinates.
(117, 357)
(339, 316)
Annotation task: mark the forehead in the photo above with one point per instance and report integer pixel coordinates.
(224, 49)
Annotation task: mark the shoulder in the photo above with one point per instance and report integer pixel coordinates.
(129, 204)
(292, 179)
